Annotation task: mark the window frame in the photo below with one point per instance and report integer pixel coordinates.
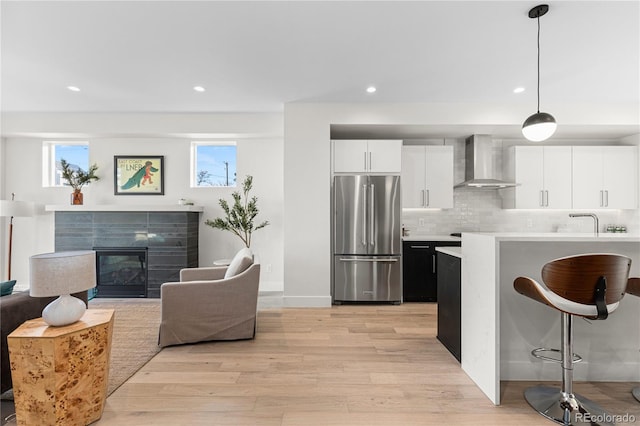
(49, 161)
(193, 169)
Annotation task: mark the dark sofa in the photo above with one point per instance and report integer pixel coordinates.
(15, 309)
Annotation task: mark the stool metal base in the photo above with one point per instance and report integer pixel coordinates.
(636, 393)
(549, 402)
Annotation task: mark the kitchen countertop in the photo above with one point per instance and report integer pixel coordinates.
(558, 236)
(431, 238)
(451, 251)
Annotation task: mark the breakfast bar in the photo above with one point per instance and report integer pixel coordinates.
(500, 327)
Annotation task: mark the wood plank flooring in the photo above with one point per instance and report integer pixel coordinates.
(344, 365)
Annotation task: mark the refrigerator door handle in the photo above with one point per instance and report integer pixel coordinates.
(372, 216)
(347, 259)
(364, 215)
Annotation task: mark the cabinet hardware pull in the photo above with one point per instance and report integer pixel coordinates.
(546, 193)
(433, 263)
(428, 200)
(370, 162)
(422, 202)
(365, 160)
(420, 247)
(601, 198)
(606, 202)
(541, 198)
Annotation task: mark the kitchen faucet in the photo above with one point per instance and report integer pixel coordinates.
(596, 226)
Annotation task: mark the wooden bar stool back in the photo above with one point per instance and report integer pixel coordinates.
(586, 285)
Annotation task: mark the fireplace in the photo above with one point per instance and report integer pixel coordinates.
(121, 272)
(168, 233)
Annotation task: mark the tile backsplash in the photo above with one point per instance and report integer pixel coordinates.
(481, 210)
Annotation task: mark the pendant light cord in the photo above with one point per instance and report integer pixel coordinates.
(538, 63)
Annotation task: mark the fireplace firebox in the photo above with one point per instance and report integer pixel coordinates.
(121, 272)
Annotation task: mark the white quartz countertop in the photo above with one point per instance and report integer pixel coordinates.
(431, 238)
(122, 208)
(557, 236)
(451, 251)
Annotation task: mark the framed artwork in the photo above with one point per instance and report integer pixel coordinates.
(138, 174)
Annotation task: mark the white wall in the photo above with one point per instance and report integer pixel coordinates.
(260, 154)
(307, 255)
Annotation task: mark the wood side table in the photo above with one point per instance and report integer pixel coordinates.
(60, 374)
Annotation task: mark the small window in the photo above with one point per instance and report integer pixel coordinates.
(75, 153)
(213, 164)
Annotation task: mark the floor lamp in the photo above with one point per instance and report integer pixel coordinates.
(11, 209)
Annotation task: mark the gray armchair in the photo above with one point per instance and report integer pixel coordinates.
(205, 306)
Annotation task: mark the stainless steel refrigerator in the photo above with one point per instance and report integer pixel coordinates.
(366, 239)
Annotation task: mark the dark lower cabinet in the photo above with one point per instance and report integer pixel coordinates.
(420, 270)
(449, 303)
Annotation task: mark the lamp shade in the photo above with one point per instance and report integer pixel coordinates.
(66, 272)
(11, 208)
(539, 127)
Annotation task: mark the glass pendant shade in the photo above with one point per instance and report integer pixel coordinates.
(539, 127)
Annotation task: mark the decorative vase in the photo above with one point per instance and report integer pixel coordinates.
(76, 197)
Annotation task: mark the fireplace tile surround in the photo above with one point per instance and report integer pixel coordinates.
(171, 237)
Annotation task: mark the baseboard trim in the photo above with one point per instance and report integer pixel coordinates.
(307, 301)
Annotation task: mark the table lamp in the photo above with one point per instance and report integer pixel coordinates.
(12, 208)
(60, 274)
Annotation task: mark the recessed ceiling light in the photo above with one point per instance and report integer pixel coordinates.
(371, 89)
(73, 88)
(199, 88)
(518, 90)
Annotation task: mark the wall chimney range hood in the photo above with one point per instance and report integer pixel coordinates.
(478, 170)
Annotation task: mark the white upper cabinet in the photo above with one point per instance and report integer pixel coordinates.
(427, 176)
(367, 156)
(605, 177)
(543, 175)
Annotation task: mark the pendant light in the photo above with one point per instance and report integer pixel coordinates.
(541, 125)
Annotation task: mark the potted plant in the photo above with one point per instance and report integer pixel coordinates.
(239, 218)
(77, 178)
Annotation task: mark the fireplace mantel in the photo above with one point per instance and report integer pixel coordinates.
(122, 208)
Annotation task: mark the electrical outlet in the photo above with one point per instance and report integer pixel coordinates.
(529, 223)
(268, 268)
(421, 222)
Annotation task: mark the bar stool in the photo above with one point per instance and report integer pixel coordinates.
(589, 286)
(634, 288)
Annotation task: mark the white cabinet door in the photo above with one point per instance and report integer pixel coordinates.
(413, 176)
(543, 175)
(605, 177)
(367, 156)
(557, 177)
(439, 177)
(350, 156)
(427, 176)
(384, 156)
(620, 177)
(587, 177)
(529, 174)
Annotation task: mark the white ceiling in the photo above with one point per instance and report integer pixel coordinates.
(146, 56)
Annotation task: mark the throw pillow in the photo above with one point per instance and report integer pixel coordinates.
(240, 263)
(6, 287)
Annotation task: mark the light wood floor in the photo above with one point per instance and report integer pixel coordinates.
(345, 365)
